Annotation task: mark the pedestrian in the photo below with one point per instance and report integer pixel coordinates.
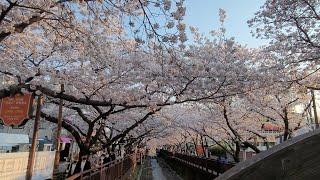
(113, 156)
(71, 168)
(82, 165)
(107, 159)
(95, 161)
(102, 158)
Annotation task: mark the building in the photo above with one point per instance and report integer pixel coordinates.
(270, 132)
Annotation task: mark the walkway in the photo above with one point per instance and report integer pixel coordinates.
(157, 169)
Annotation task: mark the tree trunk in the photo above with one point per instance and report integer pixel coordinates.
(237, 152)
(286, 125)
(83, 151)
(253, 147)
(202, 146)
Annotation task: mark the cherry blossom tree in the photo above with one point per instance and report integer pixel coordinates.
(292, 29)
(103, 51)
(127, 75)
(39, 38)
(220, 59)
(279, 106)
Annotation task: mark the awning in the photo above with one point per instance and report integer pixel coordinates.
(65, 139)
(7, 139)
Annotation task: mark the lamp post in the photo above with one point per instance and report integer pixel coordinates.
(58, 147)
(206, 148)
(121, 148)
(32, 153)
(314, 109)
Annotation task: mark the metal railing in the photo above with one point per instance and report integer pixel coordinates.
(117, 169)
(205, 164)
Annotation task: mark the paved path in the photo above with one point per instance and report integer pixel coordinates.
(157, 172)
(157, 169)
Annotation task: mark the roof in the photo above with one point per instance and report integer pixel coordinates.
(270, 127)
(44, 141)
(65, 139)
(7, 139)
(200, 150)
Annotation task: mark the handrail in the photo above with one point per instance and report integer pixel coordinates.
(119, 166)
(92, 169)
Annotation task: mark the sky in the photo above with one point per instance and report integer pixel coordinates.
(204, 14)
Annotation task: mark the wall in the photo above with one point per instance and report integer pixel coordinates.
(297, 158)
(14, 165)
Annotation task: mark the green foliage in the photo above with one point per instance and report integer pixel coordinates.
(217, 151)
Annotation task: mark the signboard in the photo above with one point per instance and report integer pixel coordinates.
(14, 110)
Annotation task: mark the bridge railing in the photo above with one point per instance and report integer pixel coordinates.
(117, 169)
(206, 164)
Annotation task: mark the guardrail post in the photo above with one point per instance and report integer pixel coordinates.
(101, 169)
(206, 165)
(121, 168)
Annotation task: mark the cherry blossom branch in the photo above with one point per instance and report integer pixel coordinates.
(65, 125)
(7, 10)
(19, 28)
(126, 131)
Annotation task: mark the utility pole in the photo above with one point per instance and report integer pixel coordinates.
(314, 109)
(32, 153)
(58, 148)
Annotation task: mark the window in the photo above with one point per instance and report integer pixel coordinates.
(17, 127)
(271, 144)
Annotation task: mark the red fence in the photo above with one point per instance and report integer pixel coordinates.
(117, 169)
